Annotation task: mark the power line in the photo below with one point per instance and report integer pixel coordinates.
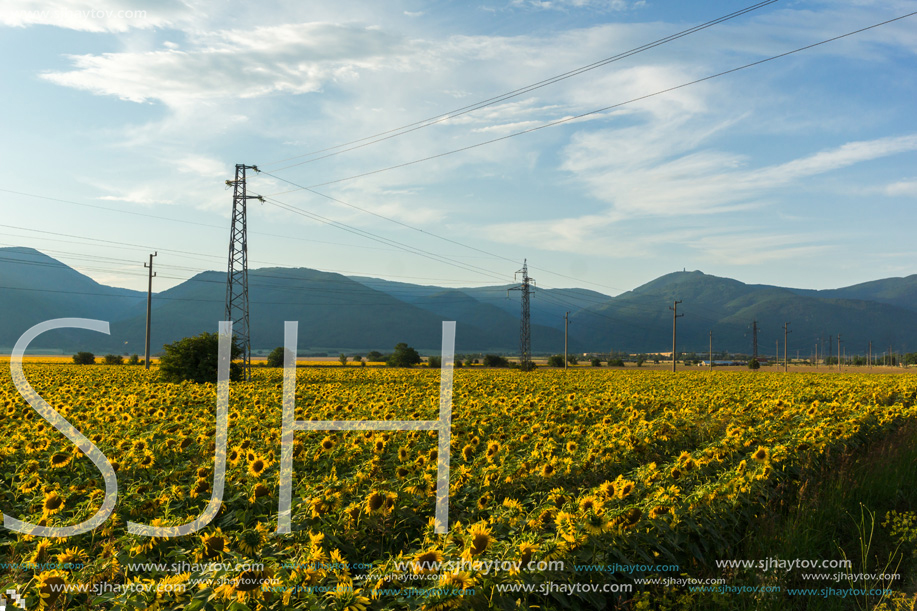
(606, 108)
(411, 127)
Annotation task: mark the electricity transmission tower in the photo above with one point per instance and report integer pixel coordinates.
(525, 332)
(237, 274)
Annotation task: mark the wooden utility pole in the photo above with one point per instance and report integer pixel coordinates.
(149, 302)
(711, 350)
(869, 356)
(785, 332)
(675, 317)
(566, 322)
(816, 353)
(838, 351)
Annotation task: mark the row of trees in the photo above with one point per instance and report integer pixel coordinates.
(88, 358)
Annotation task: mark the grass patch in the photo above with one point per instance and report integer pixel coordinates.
(840, 510)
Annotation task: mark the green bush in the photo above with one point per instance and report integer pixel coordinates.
(375, 357)
(134, 360)
(435, 362)
(556, 361)
(275, 358)
(615, 363)
(403, 356)
(84, 358)
(197, 359)
(494, 360)
(113, 359)
(595, 362)
(754, 364)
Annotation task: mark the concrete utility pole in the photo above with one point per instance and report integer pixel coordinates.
(566, 322)
(711, 350)
(675, 317)
(838, 351)
(149, 302)
(785, 333)
(754, 335)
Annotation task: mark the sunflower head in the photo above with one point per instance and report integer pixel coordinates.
(526, 551)
(50, 586)
(213, 544)
(456, 581)
(52, 504)
(427, 562)
(257, 465)
(762, 454)
(480, 539)
(60, 460)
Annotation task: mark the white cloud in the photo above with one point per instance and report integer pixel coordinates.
(903, 188)
(294, 58)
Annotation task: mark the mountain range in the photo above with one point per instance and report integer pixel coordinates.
(355, 314)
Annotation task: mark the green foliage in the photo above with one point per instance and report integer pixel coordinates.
(275, 358)
(556, 361)
(615, 363)
(375, 357)
(572, 359)
(134, 360)
(529, 366)
(642, 359)
(495, 360)
(343, 359)
(84, 358)
(403, 356)
(754, 364)
(435, 362)
(113, 359)
(196, 359)
(595, 362)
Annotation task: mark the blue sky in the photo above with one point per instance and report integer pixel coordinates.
(798, 172)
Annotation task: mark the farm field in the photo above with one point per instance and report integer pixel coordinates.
(566, 489)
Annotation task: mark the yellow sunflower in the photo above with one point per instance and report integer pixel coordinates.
(59, 460)
(52, 504)
(480, 539)
(427, 562)
(51, 586)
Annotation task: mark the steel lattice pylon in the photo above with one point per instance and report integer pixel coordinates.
(237, 275)
(525, 332)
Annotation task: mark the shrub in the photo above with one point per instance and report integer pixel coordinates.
(754, 364)
(84, 358)
(403, 356)
(375, 357)
(572, 359)
(197, 359)
(435, 362)
(595, 362)
(113, 359)
(529, 366)
(615, 363)
(495, 360)
(343, 359)
(556, 361)
(134, 360)
(275, 358)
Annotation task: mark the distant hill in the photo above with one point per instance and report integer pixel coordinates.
(357, 314)
(640, 320)
(35, 287)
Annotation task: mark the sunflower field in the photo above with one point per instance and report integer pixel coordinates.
(552, 470)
